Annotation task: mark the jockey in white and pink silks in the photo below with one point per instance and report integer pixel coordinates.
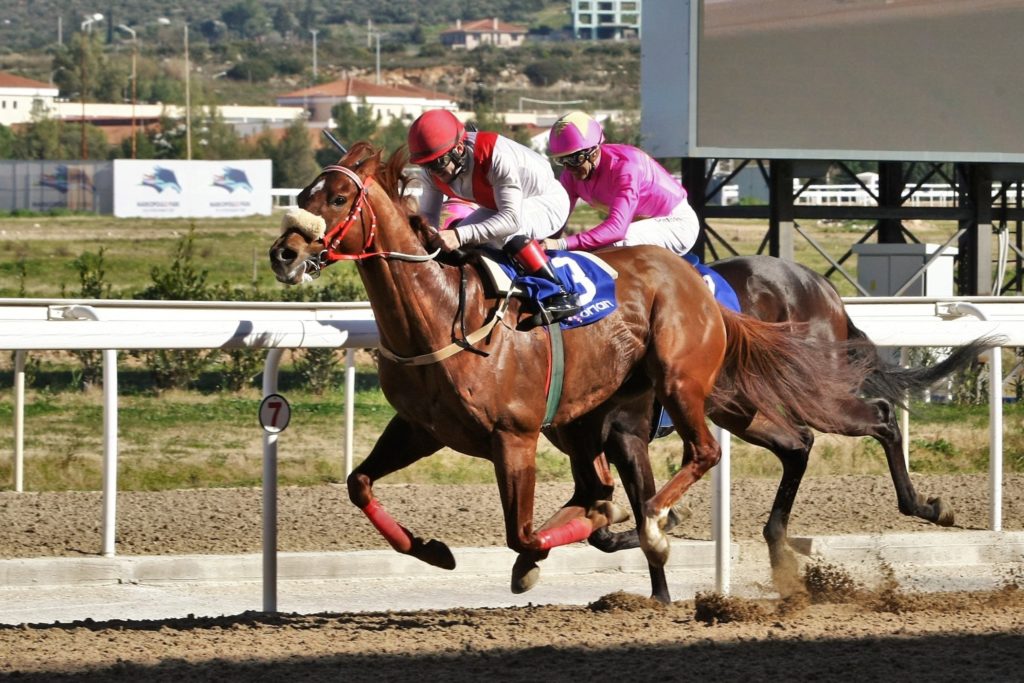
(643, 202)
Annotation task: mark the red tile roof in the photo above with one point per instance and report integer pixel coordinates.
(486, 26)
(11, 81)
(354, 87)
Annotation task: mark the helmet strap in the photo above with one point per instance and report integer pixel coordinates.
(459, 160)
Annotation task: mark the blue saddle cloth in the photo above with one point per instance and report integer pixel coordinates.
(584, 274)
(723, 291)
(726, 296)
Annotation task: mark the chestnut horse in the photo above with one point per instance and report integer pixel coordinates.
(484, 395)
(775, 290)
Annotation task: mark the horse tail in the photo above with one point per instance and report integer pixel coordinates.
(892, 382)
(787, 375)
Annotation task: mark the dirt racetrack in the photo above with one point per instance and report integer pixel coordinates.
(870, 633)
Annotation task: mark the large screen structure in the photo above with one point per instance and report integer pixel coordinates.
(908, 80)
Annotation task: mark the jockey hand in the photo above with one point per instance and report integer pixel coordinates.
(553, 244)
(445, 240)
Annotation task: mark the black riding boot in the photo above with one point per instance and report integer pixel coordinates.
(533, 260)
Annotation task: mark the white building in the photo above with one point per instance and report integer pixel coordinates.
(18, 96)
(388, 102)
(606, 19)
(472, 34)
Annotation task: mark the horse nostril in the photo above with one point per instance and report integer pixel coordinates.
(282, 255)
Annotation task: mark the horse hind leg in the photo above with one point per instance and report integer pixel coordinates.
(793, 454)
(882, 425)
(629, 451)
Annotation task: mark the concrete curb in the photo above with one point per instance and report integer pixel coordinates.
(954, 548)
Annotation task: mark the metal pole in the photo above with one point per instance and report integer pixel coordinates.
(109, 451)
(314, 32)
(721, 478)
(995, 420)
(270, 490)
(350, 407)
(19, 421)
(135, 80)
(188, 102)
(80, 312)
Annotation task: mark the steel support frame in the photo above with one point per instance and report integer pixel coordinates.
(976, 212)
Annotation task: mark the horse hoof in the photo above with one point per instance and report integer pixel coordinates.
(679, 513)
(433, 552)
(525, 574)
(615, 513)
(943, 513)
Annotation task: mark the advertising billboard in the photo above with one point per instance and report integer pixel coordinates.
(174, 188)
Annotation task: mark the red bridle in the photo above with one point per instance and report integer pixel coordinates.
(334, 236)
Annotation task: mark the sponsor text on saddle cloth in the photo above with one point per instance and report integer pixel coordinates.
(588, 276)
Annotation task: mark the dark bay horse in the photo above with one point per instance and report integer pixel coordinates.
(667, 337)
(776, 290)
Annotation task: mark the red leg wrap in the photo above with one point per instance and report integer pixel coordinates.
(576, 530)
(396, 534)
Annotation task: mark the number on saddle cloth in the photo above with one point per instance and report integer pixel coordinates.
(723, 291)
(588, 276)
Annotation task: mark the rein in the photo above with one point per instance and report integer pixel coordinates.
(330, 254)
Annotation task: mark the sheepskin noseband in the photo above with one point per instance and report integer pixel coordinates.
(313, 227)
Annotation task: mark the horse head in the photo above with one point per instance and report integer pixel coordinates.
(333, 221)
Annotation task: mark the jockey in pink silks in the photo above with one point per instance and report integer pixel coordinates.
(643, 202)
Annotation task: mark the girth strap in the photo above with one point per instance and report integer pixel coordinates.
(557, 371)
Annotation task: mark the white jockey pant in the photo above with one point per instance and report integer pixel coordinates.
(677, 231)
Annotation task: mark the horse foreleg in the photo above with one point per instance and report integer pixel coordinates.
(401, 444)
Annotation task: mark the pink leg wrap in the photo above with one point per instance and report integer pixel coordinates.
(396, 534)
(576, 530)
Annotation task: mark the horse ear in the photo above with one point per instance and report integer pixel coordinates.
(368, 166)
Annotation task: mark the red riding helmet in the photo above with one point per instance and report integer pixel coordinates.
(434, 133)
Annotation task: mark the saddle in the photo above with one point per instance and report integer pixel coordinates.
(589, 276)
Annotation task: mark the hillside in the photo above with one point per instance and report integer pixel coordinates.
(247, 52)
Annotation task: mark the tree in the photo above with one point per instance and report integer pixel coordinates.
(292, 157)
(392, 136)
(79, 66)
(246, 18)
(285, 22)
(212, 138)
(7, 140)
(353, 125)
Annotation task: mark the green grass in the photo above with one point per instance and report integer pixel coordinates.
(179, 439)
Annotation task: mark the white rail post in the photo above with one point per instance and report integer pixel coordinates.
(270, 490)
(995, 419)
(83, 312)
(19, 421)
(721, 514)
(350, 407)
(904, 413)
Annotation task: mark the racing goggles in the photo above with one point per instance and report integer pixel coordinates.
(576, 159)
(439, 164)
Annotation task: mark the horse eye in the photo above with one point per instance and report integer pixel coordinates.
(339, 200)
